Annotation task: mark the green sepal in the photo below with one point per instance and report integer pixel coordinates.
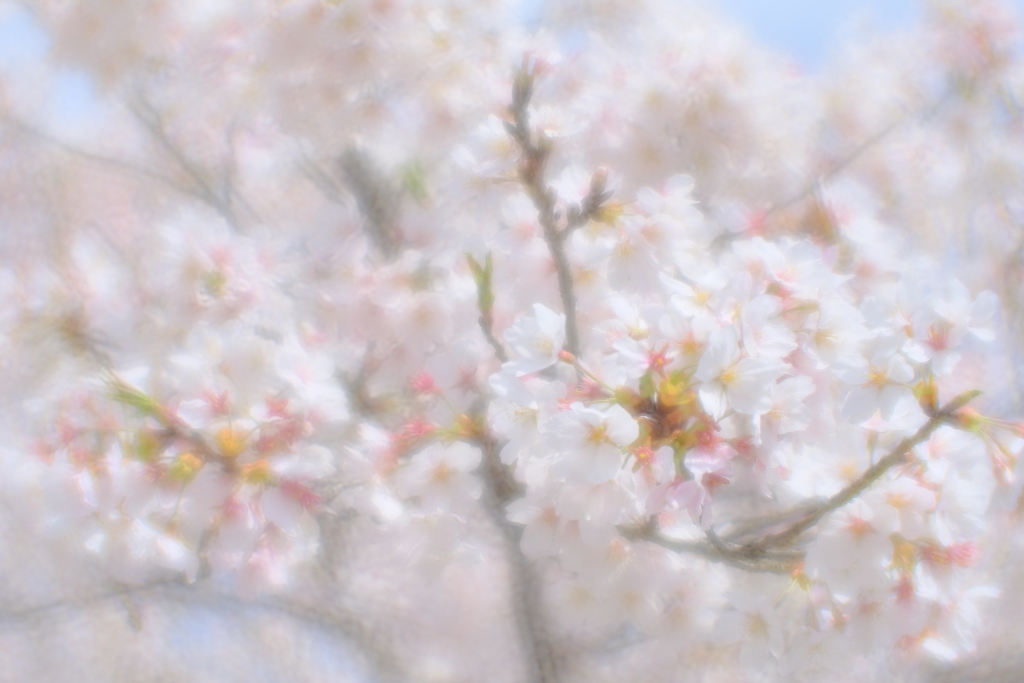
(128, 395)
(482, 278)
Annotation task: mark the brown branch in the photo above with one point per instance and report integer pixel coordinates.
(768, 554)
(539, 653)
(772, 562)
(525, 589)
(356, 390)
(535, 153)
(764, 523)
(872, 474)
(332, 189)
(487, 327)
(769, 563)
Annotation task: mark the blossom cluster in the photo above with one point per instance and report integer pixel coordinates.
(723, 394)
(624, 311)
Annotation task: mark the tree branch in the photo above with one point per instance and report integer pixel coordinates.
(773, 562)
(535, 154)
(98, 158)
(869, 477)
(527, 599)
(767, 554)
(377, 201)
(202, 188)
(482, 276)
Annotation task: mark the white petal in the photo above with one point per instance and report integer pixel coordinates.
(604, 464)
(281, 509)
(622, 428)
(861, 404)
(899, 370)
(713, 398)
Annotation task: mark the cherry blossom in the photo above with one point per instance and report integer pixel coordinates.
(537, 340)
(607, 322)
(733, 382)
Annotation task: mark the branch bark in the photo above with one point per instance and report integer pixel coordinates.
(870, 476)
(770, 553)
(526, 593)
(536, 149)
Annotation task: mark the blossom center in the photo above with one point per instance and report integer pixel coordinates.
(598, 434)
(859, 527)
(877, 377)
(544, 345)
(690, 346)
(897, 500)
(441, 473)
(825, 337)
(757, 626)
(938, 337)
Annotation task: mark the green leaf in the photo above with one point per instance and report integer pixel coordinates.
(128, 395)
(482, 278)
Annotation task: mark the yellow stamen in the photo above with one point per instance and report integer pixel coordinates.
(825, 338)
(598, 434)
(230, 442)
(757, 626)
(544, 345)
(184, 468)
(258, 473)
(441, 473)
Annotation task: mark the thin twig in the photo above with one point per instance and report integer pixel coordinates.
(151, 120)
(487, 327)
(380, 655)
(329, 186)
(198, 189)
(774, 562)
(97, 158)
(759, 525)
(865, 145)
(768, 554)
(869, 477)
(535, 153)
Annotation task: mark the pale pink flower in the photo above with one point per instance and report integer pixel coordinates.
(590, 442)
(755, 624)
(762, 335)
(441, 476)
(939, 329)
(729, 381)
(537, 340)
(882, 376)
